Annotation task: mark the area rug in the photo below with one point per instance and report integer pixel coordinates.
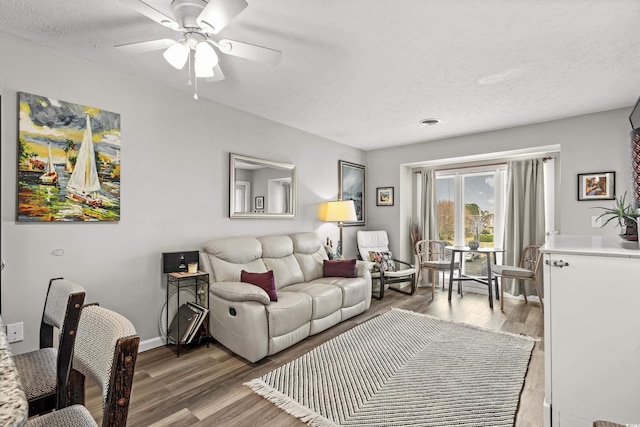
(404, 368)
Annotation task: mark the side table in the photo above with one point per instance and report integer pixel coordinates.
(200, 283)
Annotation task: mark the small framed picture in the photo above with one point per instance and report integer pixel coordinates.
(596, 186)
(260, 203)
(384, 196)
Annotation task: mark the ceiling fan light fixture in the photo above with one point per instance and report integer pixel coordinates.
(205, 55)
(203, 70)
(177, 55)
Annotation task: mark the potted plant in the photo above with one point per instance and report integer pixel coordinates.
(625, 216)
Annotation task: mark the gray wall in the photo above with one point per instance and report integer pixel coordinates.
(175, 182)
(174, 187)
(591, 143)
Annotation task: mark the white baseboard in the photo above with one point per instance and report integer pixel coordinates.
(150, 344)
(478, 288)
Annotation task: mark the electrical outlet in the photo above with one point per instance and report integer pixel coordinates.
(15, 332)
(595, 222)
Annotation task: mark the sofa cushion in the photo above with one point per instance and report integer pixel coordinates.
(292, 310)
(277, 255)
(229, 256)
(238, 250)
(339, 268)
(309, 251)
(325, 298)
(265, 281)
(353, 290)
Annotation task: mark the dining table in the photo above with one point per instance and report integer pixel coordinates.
(14, 409)
(487, 252)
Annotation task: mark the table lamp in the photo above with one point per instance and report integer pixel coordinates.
(340, 211)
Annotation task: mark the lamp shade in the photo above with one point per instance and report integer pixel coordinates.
(340, 211)
(177, 55)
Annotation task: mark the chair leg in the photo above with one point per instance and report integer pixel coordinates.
(501, 294)
(433, 284)
(381, 292)
(535, 282)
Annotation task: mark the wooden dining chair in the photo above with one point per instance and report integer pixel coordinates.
(106, 353)
(527, 271)
(432, 256)
(44, 373)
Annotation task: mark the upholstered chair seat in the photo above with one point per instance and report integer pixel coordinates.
(44, 373)
(75, 415)
(526, 271)
(38, 372)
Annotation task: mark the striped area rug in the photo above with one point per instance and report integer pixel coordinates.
(404, 368)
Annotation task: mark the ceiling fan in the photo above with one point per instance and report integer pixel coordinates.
(197, 20)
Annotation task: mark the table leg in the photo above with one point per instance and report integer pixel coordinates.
(453, 261)
(495, 279)
(489, 281)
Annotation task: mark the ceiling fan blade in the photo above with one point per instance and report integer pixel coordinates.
(218, 13)
(249, 51)
(147, 46)
(151, 13)
(218, 75)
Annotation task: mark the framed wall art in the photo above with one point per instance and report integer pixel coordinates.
(596, 186)
(260, 203)
(384, 196)
(68, 161)
(351, 179)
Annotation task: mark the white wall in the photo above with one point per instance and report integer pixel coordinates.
(174, 187)
(591, 143)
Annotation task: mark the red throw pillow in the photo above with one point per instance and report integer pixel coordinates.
(339, 268)
(264, 280)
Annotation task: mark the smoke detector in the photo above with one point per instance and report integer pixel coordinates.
(430, 122)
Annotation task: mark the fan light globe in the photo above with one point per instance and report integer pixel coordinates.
(205, 55)
(177, 55)
(203, 70)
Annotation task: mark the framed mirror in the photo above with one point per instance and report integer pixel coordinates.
(261, 188)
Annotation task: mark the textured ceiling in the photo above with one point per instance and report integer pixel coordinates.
(366, 72)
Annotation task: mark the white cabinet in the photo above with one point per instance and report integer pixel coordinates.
(592, 332)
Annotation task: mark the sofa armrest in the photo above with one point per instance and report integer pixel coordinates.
(363, 267)
(239, 291)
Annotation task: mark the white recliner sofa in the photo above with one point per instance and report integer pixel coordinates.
(247, 322)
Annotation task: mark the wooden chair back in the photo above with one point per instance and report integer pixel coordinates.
(106, 352)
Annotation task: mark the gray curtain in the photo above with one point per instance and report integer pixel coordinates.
(524, 224)
(429, 207)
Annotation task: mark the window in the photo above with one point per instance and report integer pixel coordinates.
(471, 207)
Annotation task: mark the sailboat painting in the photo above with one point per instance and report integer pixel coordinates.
(68, 161)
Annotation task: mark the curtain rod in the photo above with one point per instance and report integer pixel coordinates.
(468, 167)
(544, 159)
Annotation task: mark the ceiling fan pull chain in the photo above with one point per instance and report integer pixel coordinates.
(189, 73)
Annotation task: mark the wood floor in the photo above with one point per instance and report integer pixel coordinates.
(204, 386)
